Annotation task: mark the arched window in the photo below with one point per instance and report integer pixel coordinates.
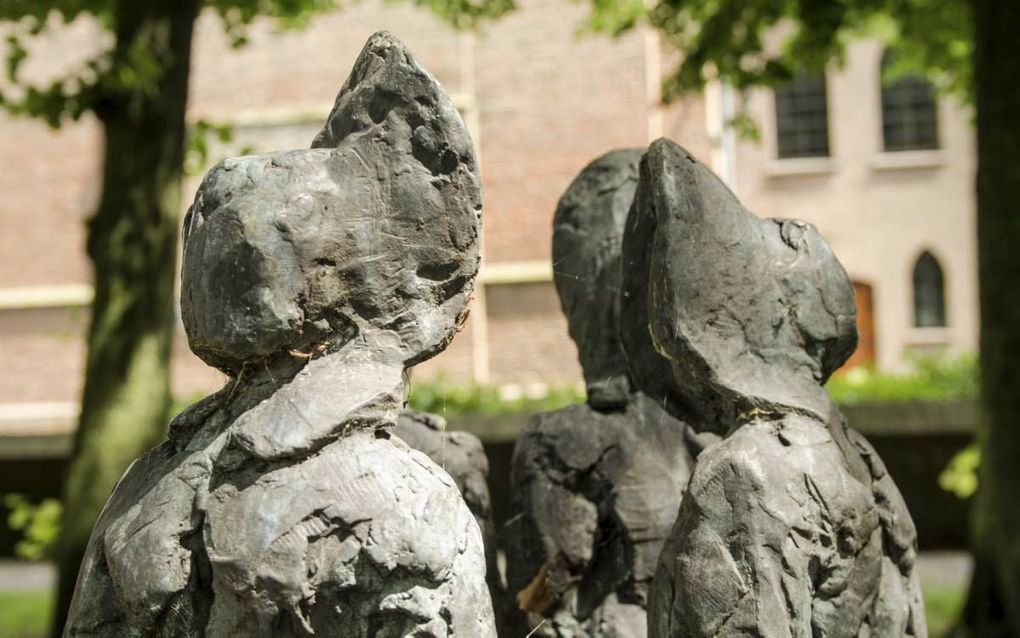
(802, 118)
(909, 113)
(929, 293)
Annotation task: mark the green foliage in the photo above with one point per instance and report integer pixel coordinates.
(614, 16)
(932, 379)
(937, 379)
(441, 397)
(236, 15)
(39, 524)
(942, 608)
(196, 147)
(744, 125)
(961, 475)
(466, 14)
(732, 39)
(25, 614)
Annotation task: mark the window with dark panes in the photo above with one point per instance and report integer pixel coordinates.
(929, 293)
(802, 118)
(909, 112)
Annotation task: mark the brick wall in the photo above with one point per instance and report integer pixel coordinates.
(550, 102)
(528, 340)
(282, 69)
(42, 354)
(48, 187)
(540, 100)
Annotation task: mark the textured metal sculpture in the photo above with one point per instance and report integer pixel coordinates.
(281, 506)
(596, 486)
(791, 525)
(462, 456)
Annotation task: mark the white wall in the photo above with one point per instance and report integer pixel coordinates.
(879, 211)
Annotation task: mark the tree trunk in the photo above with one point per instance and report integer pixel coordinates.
(993, 606)
(132, 242)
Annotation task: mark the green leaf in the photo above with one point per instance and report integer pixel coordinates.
(961, 474)
(16, 54)
(39, 524)
(726, 39)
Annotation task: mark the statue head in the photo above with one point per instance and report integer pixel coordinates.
(745, 313)
(587, 232)
(371, 237)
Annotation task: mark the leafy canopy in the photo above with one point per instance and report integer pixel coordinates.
(766, 42)
(137, 70)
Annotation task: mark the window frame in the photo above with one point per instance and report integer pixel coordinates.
(913, 154)
(776, 167)
(776, 116)
(917, 312)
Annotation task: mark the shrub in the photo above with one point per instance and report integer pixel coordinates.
(439, 396)
(937, 379)
(39, 524)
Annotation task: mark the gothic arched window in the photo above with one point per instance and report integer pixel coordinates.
(929, 293)
(909, 113)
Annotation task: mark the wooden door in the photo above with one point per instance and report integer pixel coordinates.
(865, 353)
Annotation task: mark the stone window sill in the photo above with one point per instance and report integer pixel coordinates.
(897, 160)
(928, 336)
(796, 166)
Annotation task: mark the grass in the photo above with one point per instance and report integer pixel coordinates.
(942, 607)
(27, 614)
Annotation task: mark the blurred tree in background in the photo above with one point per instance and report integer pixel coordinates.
(138, 91)
(967, 47)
